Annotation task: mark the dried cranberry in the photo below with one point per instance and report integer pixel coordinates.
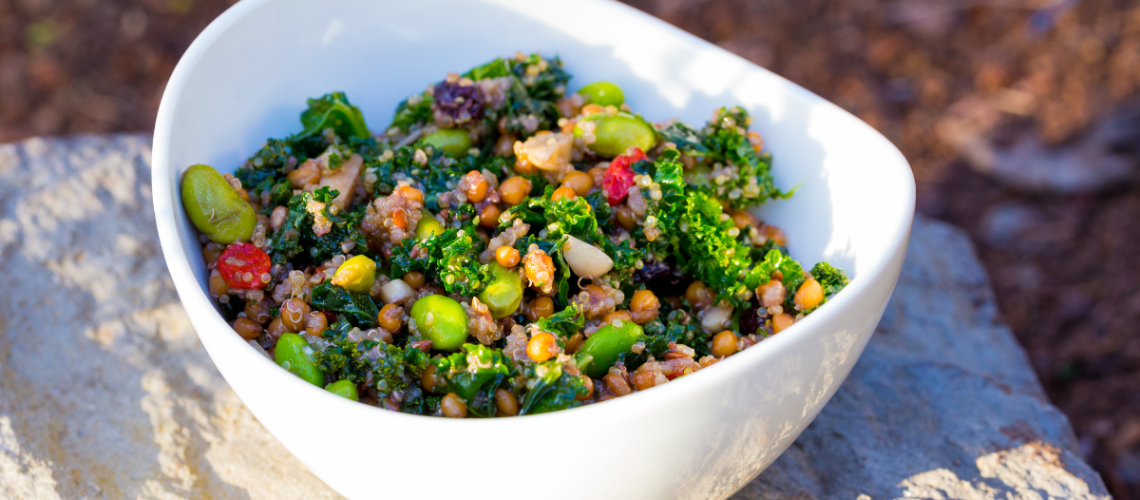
(662, 278)
(619, 176)
(750, 321)
(243, 266)
(457, 102)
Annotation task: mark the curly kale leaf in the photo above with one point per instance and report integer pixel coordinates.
(494, 69)
(343, 361)
(675, 327)
(831, 278)
(552, 389)
(296, 234)
(268, 164)
(537, 84)
(403, 261)
(686, 139)
(726, 140)
(285, 243)
(655, 345)
(358, 307)
(564, 323)
(625, 257)
(422, 405)
(280, 192)
(576, 217)
(571, 216)
(453, 257)
(775, 260)
(335, 112)
(473, 370)
(396, 367)
(415, 110)
(704, 247)
(339, 329)
(386, 367)
(601, 208)
(532, 211)
(542, 77)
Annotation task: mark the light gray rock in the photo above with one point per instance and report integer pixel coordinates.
(105, 391)
(943, 404)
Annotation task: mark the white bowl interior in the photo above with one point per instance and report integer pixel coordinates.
(248, 75)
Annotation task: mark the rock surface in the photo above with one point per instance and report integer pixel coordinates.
(105, 391)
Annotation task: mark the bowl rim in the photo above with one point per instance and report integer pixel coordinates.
(194, 298)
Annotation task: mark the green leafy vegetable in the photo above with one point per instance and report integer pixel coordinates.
(553, 389)
(357, 306)
(564, 323)
(831, 278)
(474, 369)
(335, 112)
(453, 256)
(393, 368)
(415, 110)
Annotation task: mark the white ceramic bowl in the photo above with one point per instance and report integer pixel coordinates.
(246, 78)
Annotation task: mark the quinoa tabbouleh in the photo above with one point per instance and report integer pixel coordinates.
(503, 248)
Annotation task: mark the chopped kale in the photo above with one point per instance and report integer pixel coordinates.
(453, 256)
(655, 345)
(332, 111)
(422, 404)
(359, 307)
(296, 234)
(415, 110)
(470, 369)
(553, 389)
(342, 360)
(397, 367)
(564, 323)
(831, 278)
(386, 367)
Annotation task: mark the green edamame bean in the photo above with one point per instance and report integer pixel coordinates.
(356, 274)
(441, 320)
(453, 141)
(427, 226)
(505, 292)
(603, 94)
(344, 389)
(214, 207)
(291, 355)
(616, 133)
(606, 344)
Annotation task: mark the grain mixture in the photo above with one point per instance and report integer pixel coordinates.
(505, 247)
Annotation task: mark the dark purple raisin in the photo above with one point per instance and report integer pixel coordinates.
(457, 102)
(662, 278)
(750, 322)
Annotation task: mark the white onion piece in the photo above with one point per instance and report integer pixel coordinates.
(586, 260)
(396, 292)
(717, 318)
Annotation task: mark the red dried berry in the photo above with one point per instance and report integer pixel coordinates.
(619, 176)
(243, 265)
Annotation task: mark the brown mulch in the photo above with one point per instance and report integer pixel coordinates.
(1064, 266)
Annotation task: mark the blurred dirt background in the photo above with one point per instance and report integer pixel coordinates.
(1021, 120)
